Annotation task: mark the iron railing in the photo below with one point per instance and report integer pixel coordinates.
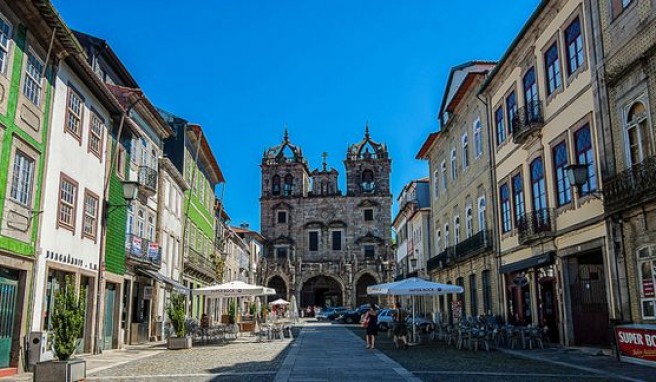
(148, 178)
(631, 187)
(536, 225)
(478, 243)
(140, 250)
(199, 263)
(528, 119)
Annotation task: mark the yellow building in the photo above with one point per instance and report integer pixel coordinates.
(552, 245)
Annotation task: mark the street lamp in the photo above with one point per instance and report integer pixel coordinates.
(578, 176)
(413, 261)
(130, 191)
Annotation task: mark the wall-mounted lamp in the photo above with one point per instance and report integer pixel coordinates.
(578, 176)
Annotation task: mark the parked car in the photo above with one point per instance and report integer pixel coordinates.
(421, 324)
(350, 317)
(329, 314)
(385, 319)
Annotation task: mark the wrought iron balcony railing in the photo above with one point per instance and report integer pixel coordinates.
(478, 243)
(143, 251)
(148, 179)
(631, 187)
(527, 120)
(535, 225)
(199, 263)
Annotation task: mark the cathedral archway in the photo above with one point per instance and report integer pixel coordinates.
(361, 296)
(321, 291)
(277, 283)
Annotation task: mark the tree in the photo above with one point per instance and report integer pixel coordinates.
(176, 313)
(67, 319)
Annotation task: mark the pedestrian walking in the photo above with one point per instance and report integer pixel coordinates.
(400, 330)
(371, 324)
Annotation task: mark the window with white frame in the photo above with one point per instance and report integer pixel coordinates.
(478, 139)
(465, 151)
(130, 221)
(552, 66)
(89, 225)
(636, 133)
(74, 111)
(445, 181)
(454, 169)
(22, 179)
(67, 202)
(141, 225)
(436, 184)
(574, 46)
(151, 228)
(469, 222)
(481, 213)
(438, 241)
(647, 281)
(96, 132)
(5, 38)
(446, 236)
(33, 80)
(456, 230)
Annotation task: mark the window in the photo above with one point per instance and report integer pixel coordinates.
(538, 188)
(456, 230)
(151, 228)
(32, 84)
(368, 215)
(487, 292)
(89, 226)
(438, 241)
(498, 123)
(454, 169)
(282, 217)
(465, 151)
(460, 281)
(313, 239)
(511, 109)
(446, 235)
(275, 185)
(436, 184)
(445, 181)
(368, 184)
(563, 188)
(369, 251)
(585, 155)
(121, 162)
(506, 224)
(574, 44)
(5, 36)
(141, 229)
(282, 252)
(289, 185)
(531, 97)
(469, 223)
(478, 139)
(473, 294)
(67, 202)
(130, 221)
(637, 136)
(96, 132)
(481, 213)
(337, 240)
(647, 281)
(518, 197)
(74, 110)
(552, 64)
(22, 178)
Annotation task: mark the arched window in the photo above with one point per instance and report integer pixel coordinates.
(141, 223)
(436, 184)
(289, 185)
(456, 230)
(368, 184)
(275, 185)
(469, 224)
(481, 213)
(446, 236)
(454, 169)
(151, 228)
(637, 135)
(538, 189)
(438, 241)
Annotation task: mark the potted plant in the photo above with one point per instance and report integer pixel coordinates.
(67, 325)
(175, 311)
(232, 312)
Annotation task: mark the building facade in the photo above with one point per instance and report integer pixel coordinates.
(321, 245)
(552, 248)
(462, 187)
(625, 38)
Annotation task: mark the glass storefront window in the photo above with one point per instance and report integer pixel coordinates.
(647, 280)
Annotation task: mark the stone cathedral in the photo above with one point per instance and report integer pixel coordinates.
(325, 245)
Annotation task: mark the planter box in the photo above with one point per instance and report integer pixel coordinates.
(177, 343)
(60, 371)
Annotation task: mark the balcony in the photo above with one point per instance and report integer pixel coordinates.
(528, 120)
(199, 265)
(536, 225)
(631, 187)
(478, 243)
(143, 252)
(147, 180)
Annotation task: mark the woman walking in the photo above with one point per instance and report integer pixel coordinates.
(371, 320)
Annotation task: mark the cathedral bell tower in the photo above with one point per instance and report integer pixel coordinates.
(368, 168)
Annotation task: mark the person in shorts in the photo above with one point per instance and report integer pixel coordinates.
(400, 329)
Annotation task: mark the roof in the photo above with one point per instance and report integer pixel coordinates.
(455, 84)
(218, 206)
(208, 155)
(423, 151)
(129, 97)
(514, 43)
(104, 46)
(248, 232)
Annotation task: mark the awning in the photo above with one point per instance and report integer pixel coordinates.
(176, 286)
(531, 262)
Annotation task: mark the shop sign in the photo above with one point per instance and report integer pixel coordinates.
(136, 246)
(520, 281)
(637, 343)
(153, 250)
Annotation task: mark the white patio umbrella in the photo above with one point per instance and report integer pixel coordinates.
(414, 286)
(233, 289)
(279, 301)
(294, 308)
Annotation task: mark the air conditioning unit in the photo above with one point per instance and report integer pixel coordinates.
(39, 349)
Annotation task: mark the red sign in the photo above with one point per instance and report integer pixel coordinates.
(637, 343)
(648, 288)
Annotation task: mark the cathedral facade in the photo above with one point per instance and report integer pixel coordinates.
(324, 245)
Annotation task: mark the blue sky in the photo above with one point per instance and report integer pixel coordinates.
(243, 69)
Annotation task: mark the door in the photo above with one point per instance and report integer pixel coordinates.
(8, 289)
(110, 297)
(84, 285)
(588, 300)
(548, 312)
(531, 96)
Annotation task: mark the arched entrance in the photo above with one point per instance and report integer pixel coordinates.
(321, 291)
(361, 285)
(277, 283)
